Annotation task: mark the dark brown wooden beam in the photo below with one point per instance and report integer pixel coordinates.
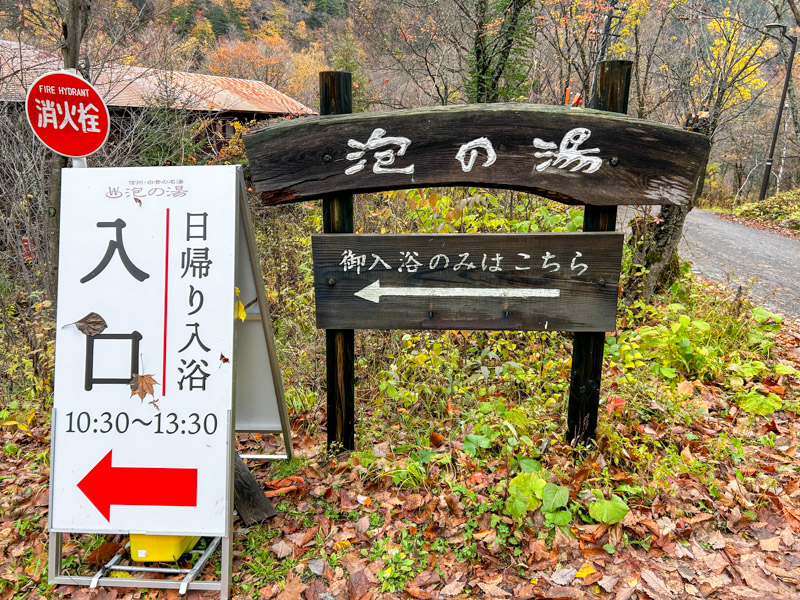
(584, 156)
(336, 97)
(613, 84)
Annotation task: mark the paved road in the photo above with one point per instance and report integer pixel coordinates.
(723, 251)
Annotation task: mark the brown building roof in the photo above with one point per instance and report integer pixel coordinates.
(124, 86)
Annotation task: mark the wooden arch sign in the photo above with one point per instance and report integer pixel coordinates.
(526, 281)
(575, 156)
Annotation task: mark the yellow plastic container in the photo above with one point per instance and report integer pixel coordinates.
(160, 548)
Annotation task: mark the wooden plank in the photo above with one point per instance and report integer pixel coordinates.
(458, 281)
(584, 156)
(587, 352)
(613, 85)
(336, 97)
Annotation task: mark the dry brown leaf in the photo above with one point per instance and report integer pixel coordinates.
(715, 562)
(716, 540)
(90, 325)
(562, 592)
(746, 593)
(563, 576)
(755, 580)
(626, 593)
(141, 385)
(301, 538)
(783, 574)
(103, 553)
(293, 590)
(412, 502)
(452, 503)
(282, 491)
(608, 583)
(685, 388)
(359, 586)
(454, 587)
(90, 594)
(284, 482)
(418, 592)
(656, 585)
(787, 537)
(427, 578)
(436, 440)
(282, 549)
(493, 591)
(772, 544)
(362, 525)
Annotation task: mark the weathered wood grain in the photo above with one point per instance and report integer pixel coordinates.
(636, 162)
(613, 86)
(336, 97)
(491, 295)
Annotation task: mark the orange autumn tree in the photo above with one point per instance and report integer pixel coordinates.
(266, 58)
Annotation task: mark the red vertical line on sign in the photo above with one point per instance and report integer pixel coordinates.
(166, 299)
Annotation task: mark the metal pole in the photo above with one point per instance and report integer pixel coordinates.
(768, 168)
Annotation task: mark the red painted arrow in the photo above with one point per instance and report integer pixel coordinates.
(105, 485)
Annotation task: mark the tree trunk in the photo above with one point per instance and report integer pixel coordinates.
(73, 28)
(791, 93)
(655, 241)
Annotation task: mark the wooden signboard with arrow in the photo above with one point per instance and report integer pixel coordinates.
(558, 282)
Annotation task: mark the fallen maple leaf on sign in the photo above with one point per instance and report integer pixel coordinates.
(90, 325)
(141, 385)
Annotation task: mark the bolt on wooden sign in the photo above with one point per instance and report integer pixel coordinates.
(576, 156)
(144, 372)
(561, 282)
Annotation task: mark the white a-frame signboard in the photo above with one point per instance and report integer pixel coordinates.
(153, 263)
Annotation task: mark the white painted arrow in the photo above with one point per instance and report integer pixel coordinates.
(374, 291)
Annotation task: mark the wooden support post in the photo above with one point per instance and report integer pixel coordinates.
(613, 85)
(335, 98)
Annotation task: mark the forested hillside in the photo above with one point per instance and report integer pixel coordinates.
(712, 58)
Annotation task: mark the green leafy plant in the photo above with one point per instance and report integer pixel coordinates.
(554, 502)
(758, 403)
(525, 492)
(608, 511)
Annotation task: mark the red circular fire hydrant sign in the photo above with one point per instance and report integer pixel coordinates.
(67, 114)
